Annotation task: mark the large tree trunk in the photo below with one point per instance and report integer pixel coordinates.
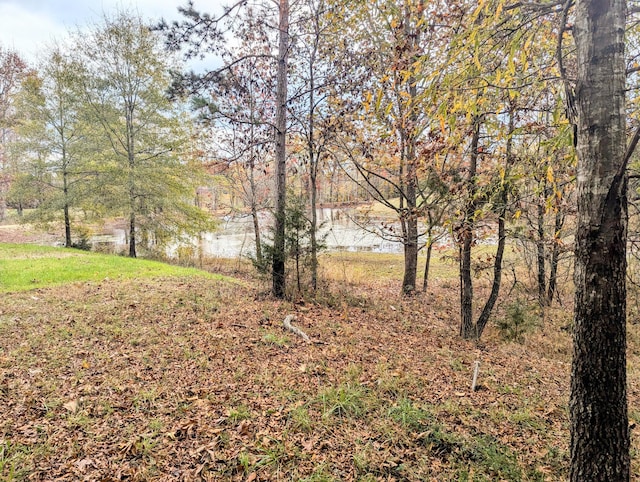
(278, 267)
(598, 401)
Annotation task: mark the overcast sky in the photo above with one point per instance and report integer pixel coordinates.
(27, 25)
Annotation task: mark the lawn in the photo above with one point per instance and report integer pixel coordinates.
(26, 266)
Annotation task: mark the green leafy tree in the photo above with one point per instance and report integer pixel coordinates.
(144, 174)
(13, 70)
(53, 142)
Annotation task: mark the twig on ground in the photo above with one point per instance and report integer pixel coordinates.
(287, 324)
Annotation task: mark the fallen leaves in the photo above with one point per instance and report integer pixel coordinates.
(148, 383)
(71, 406)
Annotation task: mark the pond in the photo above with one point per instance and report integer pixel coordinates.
(339, 227)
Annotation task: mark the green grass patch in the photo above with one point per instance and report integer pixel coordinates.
(25, 267)
(343, 401)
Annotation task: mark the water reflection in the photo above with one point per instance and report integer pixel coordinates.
(235, 236)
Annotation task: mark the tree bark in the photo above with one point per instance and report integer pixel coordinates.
(555, 257)
(278, 267)
(410, 134)
(427, 263)
(314, 160)
(467, 330)
(598, 401)
(67, 216)
(540, 252)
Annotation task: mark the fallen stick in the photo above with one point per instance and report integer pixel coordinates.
(476, 369)
(287, 324)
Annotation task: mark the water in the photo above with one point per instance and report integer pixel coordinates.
(235, 236)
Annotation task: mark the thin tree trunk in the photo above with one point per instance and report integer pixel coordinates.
(429, 245)
(278, 267)
(541, 253)
(555, 257)
(427, 264)
(67, 217)
(254, 208)
(502, 236)
(132, 235)
(256, 231)
(314, 159)
(598, 400)
(314, 232)
(497, 275)
(467, 330)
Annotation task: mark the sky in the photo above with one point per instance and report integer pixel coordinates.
(29, 25)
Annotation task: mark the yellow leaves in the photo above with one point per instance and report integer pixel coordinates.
(499, 9)
(378, 99)
(550, 176)
(517, 214)
(366, 103)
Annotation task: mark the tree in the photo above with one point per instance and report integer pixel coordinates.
(199, 33)
(53, 133)
(497, 63)
(13, 70)
(145, 176)
(279, 254)
(392, 139)
(235, 116)
(314, 78)
(598, 401)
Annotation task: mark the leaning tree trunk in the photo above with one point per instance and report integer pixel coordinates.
(598, 401)
(278, 266)
(429, 246)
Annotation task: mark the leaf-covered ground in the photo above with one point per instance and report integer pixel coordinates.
(195, 379)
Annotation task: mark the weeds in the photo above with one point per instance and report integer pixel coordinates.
(11, 457)
(274, 339)
(345, 400)
(300, 419)
(408, 415)
(239, 414)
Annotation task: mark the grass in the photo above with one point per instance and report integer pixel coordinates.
(190, 375)
(342, 401)
(26, 267)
